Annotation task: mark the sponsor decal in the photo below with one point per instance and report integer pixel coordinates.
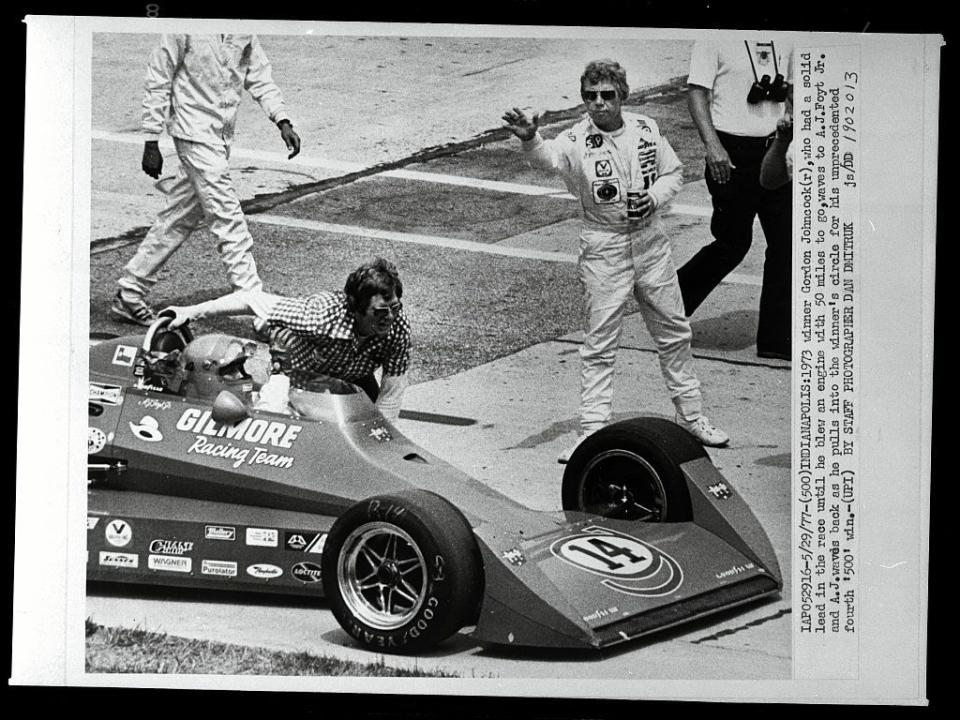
(92, 522)
(169, 563)
(118, 533)
(221, 568)
(603, 168)
(514, 556)
(606, 192)
(735, 570)
(119, 559)
(271, 433)
(572, 136)
(219, 532)
(148, 429)
(628, 565)
(600, 614)
(154, 404)
(305, 542)
(720, 490)
(106, 394)
(96, 440)
(264, 570)
(380, 434)
(262, 537)
(306, 572)
(124, 355)
(594, 141)
(171, 547)
(252, 430)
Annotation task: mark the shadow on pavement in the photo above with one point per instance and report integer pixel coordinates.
(731, 331)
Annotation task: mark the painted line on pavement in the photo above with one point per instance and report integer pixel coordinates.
(343, 166)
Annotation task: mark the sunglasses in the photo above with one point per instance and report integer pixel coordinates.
(394, 309)
(591, 95)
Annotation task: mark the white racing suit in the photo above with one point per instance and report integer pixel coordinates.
(195, 82)
(619, 257)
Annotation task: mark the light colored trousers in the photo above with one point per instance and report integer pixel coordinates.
(201, 189)
(612, 266)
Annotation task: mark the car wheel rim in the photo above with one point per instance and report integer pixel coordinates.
(622, 484)
(382, 575)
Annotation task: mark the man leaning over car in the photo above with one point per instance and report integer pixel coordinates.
(344, 334)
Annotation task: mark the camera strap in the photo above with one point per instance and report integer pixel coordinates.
(773, 49)
(750, 57)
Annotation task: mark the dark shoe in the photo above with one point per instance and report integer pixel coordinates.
(137, 312)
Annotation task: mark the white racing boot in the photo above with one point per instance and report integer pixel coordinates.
(704, 431)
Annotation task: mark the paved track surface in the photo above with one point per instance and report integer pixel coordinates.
(486, 247)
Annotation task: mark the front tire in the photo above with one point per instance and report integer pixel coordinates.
(631, 470)
(402, 572)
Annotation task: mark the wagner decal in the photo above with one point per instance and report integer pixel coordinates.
(124, 355)
(106, 394)
(606, 192)
(96, 440)
(306, 572)
(168, 563)
(220, 568)
(171, 547)
(264, 570)
(627, 564)
(148, 429)
(119, 559)
(118, 533)
(262, 537)
(219, 532)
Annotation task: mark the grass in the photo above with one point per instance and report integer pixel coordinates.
(120, 650)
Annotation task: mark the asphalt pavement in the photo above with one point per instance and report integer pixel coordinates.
(486, 247)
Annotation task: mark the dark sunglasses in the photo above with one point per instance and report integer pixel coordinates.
(591, 95)
(394, 309)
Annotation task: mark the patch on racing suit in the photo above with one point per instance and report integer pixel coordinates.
(606, 192)
(594, 141)
(603, 168)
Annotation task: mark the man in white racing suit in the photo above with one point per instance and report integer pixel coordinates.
(194, 85)
(601, 159)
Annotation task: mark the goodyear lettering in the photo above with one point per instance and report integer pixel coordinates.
(253, 430)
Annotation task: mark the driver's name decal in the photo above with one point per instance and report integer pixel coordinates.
(252, 430)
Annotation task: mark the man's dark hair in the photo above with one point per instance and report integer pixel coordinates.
(376, 277)
(606, 71)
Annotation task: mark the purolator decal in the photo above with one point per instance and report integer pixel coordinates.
(264, 434)
(628, 565)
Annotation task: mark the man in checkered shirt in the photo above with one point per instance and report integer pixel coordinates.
(344, 335)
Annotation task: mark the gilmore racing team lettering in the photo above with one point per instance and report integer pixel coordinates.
(253, 430)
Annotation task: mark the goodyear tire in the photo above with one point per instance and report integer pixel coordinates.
(402, 572)
(631, 470)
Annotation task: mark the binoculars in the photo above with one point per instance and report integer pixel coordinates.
(763, 89)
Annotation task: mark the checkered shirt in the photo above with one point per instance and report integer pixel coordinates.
(323, 340)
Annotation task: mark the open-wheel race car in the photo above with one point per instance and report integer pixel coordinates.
(190, 485)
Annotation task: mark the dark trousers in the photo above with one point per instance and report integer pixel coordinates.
(735, 205)
(368, 383)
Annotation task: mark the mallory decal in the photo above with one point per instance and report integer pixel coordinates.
(627, 564)
(251, 430)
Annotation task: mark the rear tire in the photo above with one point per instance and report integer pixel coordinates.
(402, 572)
(631, 470)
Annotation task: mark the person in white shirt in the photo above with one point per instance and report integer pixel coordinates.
(193, 86)
(623, 250)
(738, 91)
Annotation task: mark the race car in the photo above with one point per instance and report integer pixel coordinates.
(190, 484)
